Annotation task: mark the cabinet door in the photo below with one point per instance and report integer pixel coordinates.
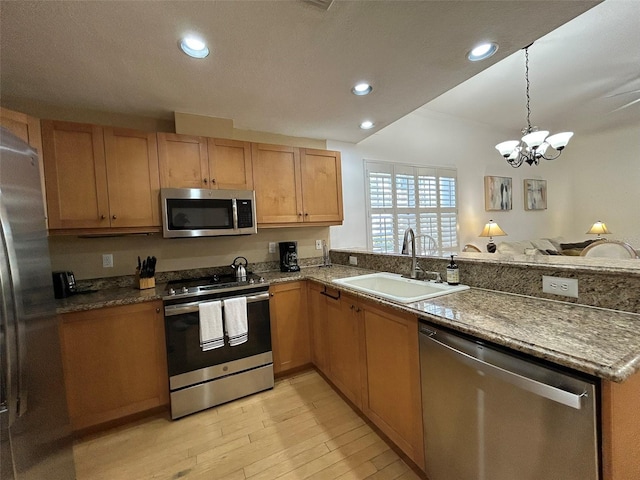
(133, 178)
(276, 178)
(321, 185)
(392, 397)
(183, 161)
(114, 362)
(28, 129)
(289, 326)
(75, 175)
(317, 309)
(344, 339)
(230, 164)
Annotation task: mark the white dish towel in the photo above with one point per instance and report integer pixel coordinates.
(235, 319)
(211, 329)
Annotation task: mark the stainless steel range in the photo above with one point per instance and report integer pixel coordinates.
(199, 378)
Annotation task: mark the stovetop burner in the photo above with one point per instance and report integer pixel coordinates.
(195, 286)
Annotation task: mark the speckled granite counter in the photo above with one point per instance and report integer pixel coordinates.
(600, 342)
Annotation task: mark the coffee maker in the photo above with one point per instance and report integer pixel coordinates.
(289, 257)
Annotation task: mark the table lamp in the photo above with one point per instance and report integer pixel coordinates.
(491, 230)
(600, 229)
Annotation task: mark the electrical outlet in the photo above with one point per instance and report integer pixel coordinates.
(567, 287)
(107, 260)
(272, 247)
(353, 260)
(318, 244)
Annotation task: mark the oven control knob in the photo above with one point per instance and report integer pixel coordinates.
(171, 291)
(261, 280)
(184, 290)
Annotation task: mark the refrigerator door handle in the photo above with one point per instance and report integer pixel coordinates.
(14, 336)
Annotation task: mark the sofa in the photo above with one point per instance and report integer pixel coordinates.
(543, 246)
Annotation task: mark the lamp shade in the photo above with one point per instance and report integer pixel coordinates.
(506, 148)
(535, 139)
(559, 140)
(599, 228)
(492, 229)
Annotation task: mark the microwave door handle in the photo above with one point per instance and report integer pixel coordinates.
(234, 208)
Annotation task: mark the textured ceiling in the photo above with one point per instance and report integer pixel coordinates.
(584, 77)
(282, 66)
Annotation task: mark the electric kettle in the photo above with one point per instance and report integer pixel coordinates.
(241, 270)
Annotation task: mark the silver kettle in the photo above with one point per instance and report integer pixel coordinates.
(241, 270)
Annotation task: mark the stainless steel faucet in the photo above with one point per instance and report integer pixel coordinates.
(414, 262)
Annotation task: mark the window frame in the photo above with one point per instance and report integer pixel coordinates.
(413, 206)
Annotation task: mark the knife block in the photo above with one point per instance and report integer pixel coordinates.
(144, 283)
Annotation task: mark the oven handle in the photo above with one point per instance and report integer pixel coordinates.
(195, 306)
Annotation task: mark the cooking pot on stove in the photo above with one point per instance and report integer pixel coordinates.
(241, 270)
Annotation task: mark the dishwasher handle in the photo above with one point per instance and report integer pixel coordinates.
(570, 399)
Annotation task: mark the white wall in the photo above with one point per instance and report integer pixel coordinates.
(608, 176)
(428, 138)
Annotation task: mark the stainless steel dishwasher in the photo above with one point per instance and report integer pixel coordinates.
(492, 415)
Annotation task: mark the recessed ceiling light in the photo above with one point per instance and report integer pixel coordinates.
(482, 51)
(362, 89)
(194, 47)
(367, 124)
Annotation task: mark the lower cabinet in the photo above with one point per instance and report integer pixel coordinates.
(345, 339)
(621, 429)
(393, 396)
(289, 326)
(114, 362)
(370, 353)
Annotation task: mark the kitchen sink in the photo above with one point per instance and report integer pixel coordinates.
(393, 286)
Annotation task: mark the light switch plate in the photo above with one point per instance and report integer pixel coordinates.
(318, 244)
(353, 260)
(272, 247)
(567, 287)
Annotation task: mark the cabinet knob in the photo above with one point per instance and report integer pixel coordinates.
(271, 294)
(213, 180)
(306, 214)
(157, 310)
(299, 214)
(205, 180)
(114, 217)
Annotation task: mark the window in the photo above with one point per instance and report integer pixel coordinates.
(402, 196)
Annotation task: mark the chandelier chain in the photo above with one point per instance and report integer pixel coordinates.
(526, 76)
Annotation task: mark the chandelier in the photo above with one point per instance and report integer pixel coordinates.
(535, 143)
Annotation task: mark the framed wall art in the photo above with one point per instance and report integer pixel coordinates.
(497, 193)
(535, 194)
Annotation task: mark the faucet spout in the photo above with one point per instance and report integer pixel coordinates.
(410, 233)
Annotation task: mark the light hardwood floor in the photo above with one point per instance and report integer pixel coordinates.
(301, 429)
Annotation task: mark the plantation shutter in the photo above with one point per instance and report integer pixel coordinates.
(405, 196)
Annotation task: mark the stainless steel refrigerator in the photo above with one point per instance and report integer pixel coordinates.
(35, 440)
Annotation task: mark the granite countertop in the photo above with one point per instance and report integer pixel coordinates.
(599, 342)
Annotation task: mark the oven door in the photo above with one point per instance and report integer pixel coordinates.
(188, 364)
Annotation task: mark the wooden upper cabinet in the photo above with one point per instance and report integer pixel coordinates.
(321, 185)
(276, 177)
(230, 165)
(132, 177)
(23, 126)
(28, 129)
(100, 177)
(75, 175)
(183, 161)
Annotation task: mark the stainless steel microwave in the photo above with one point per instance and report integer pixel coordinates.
(197, 212)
